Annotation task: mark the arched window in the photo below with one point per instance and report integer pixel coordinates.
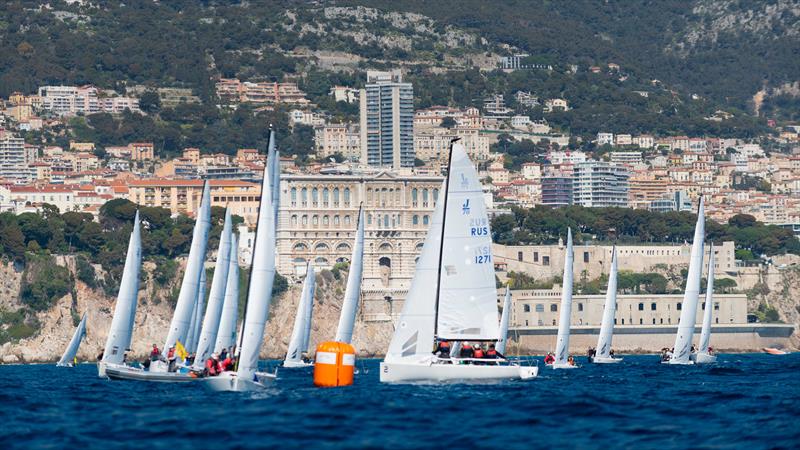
(294, 219)
(346, 196)
(346, 220)
(369, 196)
(415, 220)
(305, 220)
(335, 196)
(343, 247)
(414, 197)
(424, 197)
(425, 220)
(304, 196)
(315, 220)
(419, 246)
(325, 194)
(314, 197)
(386, 221)
(294, 196)
(435, 195)
(325, 220)
(300, 247)
(321, 247)
(320, 261)
(369, 219)
(336, 221)
(385, 247)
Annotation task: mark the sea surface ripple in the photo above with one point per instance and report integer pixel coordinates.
(744, 401)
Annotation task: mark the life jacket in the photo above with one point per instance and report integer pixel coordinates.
(491, 353)
(227, 364)
(211, 366)
(444, 344)
(478, 353)
(171, 353)
(155, 352)
(549, 358)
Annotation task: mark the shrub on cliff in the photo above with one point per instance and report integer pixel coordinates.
(44, 282)
(85, 271)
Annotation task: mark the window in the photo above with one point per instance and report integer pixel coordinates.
(315, 220)
(304, 196)
(294, 220)
(652, 306)
(545, 260)
(335, 196)
(716, 306)
(704, 306)
(369, 219)
(580, 307)
(424, 197)
(325, 220)
(654, 320)
(641, 306)
(435, 195)
(554, 308)
(519, 256)
(325, 194)
(680, 306)
(347, 220)
(539, 307)
(314, 196)
(305, 220)
(623, 321)
(415, 220)
(641, 321)
(535, 256)
(336, 221)
(586, 257)
(346, 196)
(425, 220)
(294, 196)
(526, 308)
(662, 321)
(414, 197)
(386, 221)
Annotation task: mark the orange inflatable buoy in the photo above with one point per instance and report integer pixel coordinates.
(334, 364)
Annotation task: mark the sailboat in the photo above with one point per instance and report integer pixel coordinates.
(603, 355)
(562, 341)
(68, 358)
(197, 315)
(453, 295)
(683, 340)
(298, 344)
(347, 318)
(504, 318)
(207, 335)
(226, 334)
(703, 356)
(259, 295)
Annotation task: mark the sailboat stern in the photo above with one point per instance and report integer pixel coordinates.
(416, 372)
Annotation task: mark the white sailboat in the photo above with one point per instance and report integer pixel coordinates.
(683, 340)
(504, 318)
(181, 319)
(226, 335)
(259, 296)
(452, 295)
(211, 321)
(347, 317)
(298, 344)
(603, 355)
(68, 358)
(199, 313)
(121, 331)
(703, 356)
(562, 341)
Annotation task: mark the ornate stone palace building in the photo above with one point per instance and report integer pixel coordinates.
(317, 222)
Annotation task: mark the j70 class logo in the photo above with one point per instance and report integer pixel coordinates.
(465, 207)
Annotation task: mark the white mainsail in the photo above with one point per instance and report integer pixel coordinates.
(208, 334)
(298, 344)
(181, 320)
(467, 298)
(226, 335)
(347, 318)
(609, 309)
(275, 176)
(72, 349)
(121, 331)
(262, 276)
(501, 343)
(199, 313)
(705, 333)
(562, 341)
(683, 340)
(413, 335)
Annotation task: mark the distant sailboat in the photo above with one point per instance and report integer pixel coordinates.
(259, 296)
(683, 340)
(603, 355)
(226, 335)
(501, 343)
(562, 341)
(347, 318)
(703, 355)
(68, 358)
(298, 344)
(452, 295)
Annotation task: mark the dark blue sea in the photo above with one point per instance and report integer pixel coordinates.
(744, 401)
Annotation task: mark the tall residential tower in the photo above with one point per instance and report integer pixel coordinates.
(387, 121)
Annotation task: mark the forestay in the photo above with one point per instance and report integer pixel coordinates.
(226, 335)
(501, 343)
(609, 309)
(683, 340)
(216, 298)
(413, 336)
(705, 332)
(72, 349)
(181, 319)
(562, 341)
(121, 331)
(347, 318)
(298, 343)
(467, 293)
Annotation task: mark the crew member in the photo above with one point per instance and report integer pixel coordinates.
(212, 366)
(155, 353)
(550, 358)
(443, 349)
(466, 352)
(492, 353)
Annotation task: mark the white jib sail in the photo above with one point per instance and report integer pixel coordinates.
(200, 313)
(562, 341)
(413, 335)
(467, 293)
(187, 343)
(72, 349)
(119, 335)
(181, 320)
(501, 343)
(262, 276)
(347, 318)
(705, 332)
(216, 297)
(226, 335)
(298, 344)
(683, 340)
(609, 309)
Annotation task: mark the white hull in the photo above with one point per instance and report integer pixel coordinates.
(65, 365)
(564, 366)
(704, 358)
(297, 364)
(120, 372)
(601, 360)
(678, 363)
(458, 373)
(230, 382)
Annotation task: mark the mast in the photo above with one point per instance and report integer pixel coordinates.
(441, 242)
